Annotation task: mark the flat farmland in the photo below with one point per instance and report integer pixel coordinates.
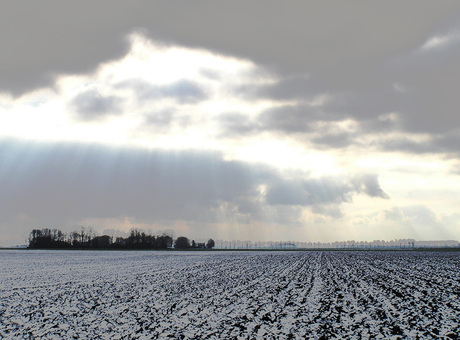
(229, 295)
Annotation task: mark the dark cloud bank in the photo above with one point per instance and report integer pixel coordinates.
(40, 40)
(68, 182)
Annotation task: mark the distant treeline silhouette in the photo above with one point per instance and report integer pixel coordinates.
(86, 239)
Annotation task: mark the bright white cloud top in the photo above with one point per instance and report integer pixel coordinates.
(290, 135)
(154, 93)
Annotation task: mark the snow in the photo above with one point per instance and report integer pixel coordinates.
(282, 295)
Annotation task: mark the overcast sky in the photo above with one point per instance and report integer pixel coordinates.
(259, 120)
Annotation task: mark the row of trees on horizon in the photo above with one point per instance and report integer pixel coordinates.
(86, 238)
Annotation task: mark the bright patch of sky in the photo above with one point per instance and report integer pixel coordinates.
(440, 41)
(156, 95)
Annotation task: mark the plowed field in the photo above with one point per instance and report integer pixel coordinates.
(224, 295)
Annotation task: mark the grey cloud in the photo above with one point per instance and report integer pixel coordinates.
(289, 193)
(53, 184)
(49, 38)
(91, 105)
(369, 184)
(421, 222)
(282, 214)
(71, 182)
(288, 119)
(428, 100)
(315, 192)
(248, 206)
(159, 119)
(294, 87)
(285, 119)
(407, 145)
(234, 124)
(332, 211)
(429, 105)
(421, 215)
(335, 140)
(380, 125)
(364, 105)
(308, 193)
(416, 215)
(184, 91)
(447, 144)
(40, 41)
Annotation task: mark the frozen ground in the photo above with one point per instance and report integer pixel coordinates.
(225, 295)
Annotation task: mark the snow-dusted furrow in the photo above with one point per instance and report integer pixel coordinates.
(278, 295)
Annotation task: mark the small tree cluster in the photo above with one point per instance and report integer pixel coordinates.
(86, 237)
(183, 242)
(48, 238)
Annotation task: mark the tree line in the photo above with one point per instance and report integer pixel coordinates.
(86, 238)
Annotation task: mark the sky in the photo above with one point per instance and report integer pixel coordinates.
(261, 120)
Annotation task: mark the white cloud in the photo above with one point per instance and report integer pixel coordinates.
(112, 104)
(440, 41)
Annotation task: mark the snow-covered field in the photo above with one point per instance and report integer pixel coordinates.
(225, 295)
